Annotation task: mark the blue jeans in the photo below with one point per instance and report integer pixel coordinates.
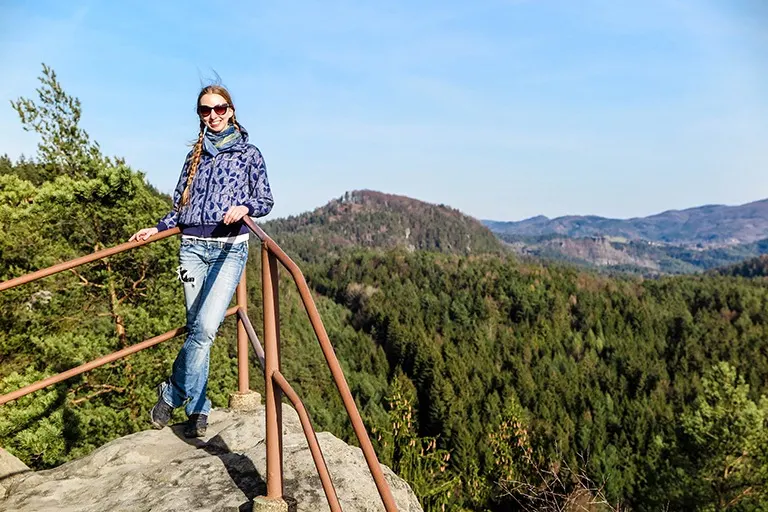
(210, 272)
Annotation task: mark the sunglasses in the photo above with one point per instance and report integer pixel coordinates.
(205, 110)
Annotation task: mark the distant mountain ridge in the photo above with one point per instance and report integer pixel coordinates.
(671, 242)
(704, 226)
(367, 218)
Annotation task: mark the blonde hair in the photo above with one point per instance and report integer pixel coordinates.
(198, 147)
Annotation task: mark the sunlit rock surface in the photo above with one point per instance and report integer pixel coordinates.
(162, 471)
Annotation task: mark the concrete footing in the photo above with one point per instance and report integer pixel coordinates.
(264, 504)
(248, 401)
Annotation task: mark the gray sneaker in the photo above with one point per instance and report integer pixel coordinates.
(196, 425)
(161, 412)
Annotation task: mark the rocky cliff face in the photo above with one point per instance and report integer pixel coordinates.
(162, 471)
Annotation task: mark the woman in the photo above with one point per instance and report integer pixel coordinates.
(223, 179)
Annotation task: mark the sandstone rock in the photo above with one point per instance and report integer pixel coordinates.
(11, 470)
(160, 470)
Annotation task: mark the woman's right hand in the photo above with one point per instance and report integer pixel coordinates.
(143, 234)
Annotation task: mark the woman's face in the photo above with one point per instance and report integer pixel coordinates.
(214, 121)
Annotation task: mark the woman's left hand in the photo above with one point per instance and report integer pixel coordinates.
(235, 213)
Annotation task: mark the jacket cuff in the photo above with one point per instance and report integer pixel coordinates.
(161, 226)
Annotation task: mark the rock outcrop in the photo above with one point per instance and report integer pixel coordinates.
(160, 470)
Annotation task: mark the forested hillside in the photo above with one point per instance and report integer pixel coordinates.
(372, 219)
(487, 382)
(753, 267)
(647, 385)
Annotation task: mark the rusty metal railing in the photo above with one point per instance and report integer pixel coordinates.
(275, 384)
(269, 357)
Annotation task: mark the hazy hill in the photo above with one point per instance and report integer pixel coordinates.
(753, 267)
(636, 256)
(707, 226)
(373, 219)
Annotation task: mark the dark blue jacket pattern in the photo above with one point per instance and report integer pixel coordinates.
(236, 176)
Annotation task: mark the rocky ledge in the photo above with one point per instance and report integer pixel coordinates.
(160, 470)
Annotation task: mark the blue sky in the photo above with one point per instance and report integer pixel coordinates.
(502, 109)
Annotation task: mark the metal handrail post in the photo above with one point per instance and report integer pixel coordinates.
(242, 337)
(272, 393)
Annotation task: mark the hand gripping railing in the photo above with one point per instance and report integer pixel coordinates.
(269, 357)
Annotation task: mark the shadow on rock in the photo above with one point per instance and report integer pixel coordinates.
(239, 467)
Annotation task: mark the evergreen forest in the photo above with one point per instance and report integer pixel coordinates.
(489, 383)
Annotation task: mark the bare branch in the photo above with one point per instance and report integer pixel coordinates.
(102, 389)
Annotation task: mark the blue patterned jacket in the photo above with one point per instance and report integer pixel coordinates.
(236, 176)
